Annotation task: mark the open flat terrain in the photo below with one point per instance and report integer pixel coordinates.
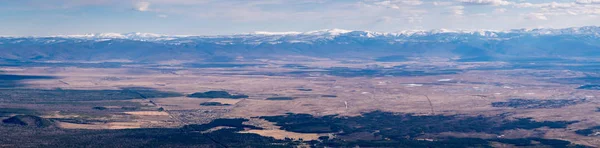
(161, 96)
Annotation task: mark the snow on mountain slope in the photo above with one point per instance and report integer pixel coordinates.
(275, 33)
(578, 41)
(130, 36)
(337, 35)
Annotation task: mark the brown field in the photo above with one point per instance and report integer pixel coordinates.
(469, 93)
(282, 134)
(148, 113)
(111, 125)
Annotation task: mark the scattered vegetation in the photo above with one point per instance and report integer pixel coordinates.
(28, 120)
(535, 103)
(379, 72)
(592, 131)
(193, 136)
(280, 98)
(11, 81)
(216, 94)
(400, 126)
(4, 112)
(580, 80)
(295, 66)
(450, 142)
(304, 89)
(61, 95)
(483, 58)
(234, 123)
(99, 108)
(22, 77)
(219, 65)
(589, 87)
(394, 58)
(188, 136)
(130, 108)
(213, 104)
(78, 120)
(384, 129)
(63, 64)
(536, 142)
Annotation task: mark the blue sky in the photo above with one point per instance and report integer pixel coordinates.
(211, 17)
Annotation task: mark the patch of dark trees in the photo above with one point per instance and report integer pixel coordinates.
(216, 94)
(393, 125)
(450, 142)
(304, 89)
(592, 131)
(54, 96)
(589, 87)
(376, 72)
(394, 58)
(130, 108)
(11, 81)
(295, 66)
(391, 130)
(77, 120)
(219, 65)
(537, 103)
(187, 136)
(543, 64)
(66, 64)
(99, 108)
(213, 104)
(6, 112)
(28, 120)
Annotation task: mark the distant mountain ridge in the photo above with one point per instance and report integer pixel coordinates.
(589, 30)
(332, 43)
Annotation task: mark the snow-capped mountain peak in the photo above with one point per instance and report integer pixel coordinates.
(111, 35)
(275, 33)
(331, 32)
(320, 42)
(309, 36)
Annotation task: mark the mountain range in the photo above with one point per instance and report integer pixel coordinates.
(330, 43)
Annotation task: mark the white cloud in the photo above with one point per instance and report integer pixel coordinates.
(414, 19)
(572, 13)
(551, 5)
(376, 15)
(456, 10)
(588, 1)
(398, 4)
(384, 19)
(485, 2)
(438, 3)
(500, 10)
(562, 9)
(535, 16)
(411, 2)
(142, 6)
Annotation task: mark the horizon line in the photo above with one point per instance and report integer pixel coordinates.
(275, 33)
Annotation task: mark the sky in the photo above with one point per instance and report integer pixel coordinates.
(221, 17)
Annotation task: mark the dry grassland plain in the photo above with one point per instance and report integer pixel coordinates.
(470, 92)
